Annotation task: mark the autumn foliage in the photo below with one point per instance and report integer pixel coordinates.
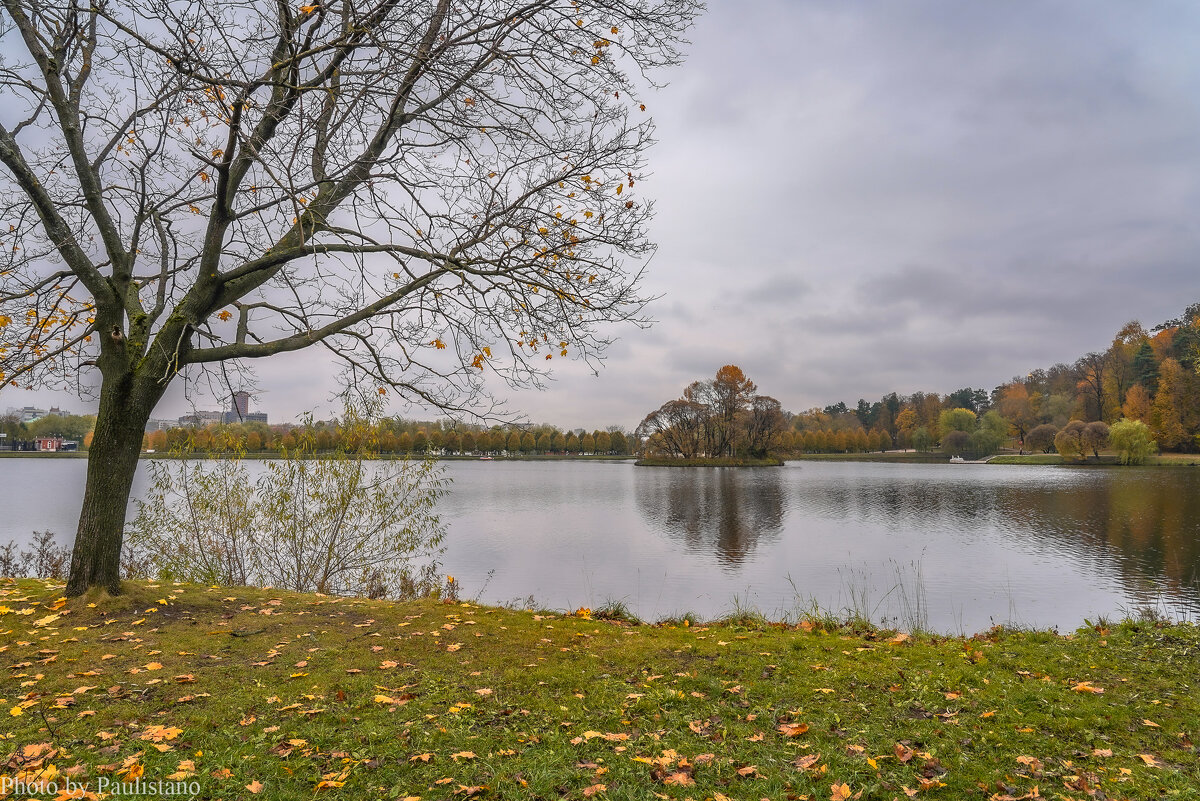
(716, 418)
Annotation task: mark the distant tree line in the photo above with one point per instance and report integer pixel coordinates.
(398, 436)
(1141, 393)
(68, 426)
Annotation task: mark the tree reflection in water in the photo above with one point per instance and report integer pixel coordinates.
(1146, 521)
(726, 511)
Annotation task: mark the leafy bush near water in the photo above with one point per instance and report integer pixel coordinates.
(45, 559)
(340, 524)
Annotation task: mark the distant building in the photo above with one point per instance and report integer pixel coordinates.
(200, 419)
(239, 410)
(241, 404)
(161, 425)
(51, 444)
(31, 413)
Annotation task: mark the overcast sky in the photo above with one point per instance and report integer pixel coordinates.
(855, 198)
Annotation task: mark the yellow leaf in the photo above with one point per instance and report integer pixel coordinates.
(839, 792)
(16, 711)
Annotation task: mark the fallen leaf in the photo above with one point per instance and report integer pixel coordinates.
(681, 779)
(806, 762)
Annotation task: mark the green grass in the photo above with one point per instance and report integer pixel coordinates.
(1175, 460)
(904, 457)
(714, 461)
(43, 454)
(1029, 458)
(282, 692)
(1107, 459)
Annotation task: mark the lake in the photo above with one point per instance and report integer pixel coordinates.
(956, 548)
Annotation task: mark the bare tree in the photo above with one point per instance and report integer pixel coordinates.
(1092, 370)
(677, 427)
(430, 190)
(764, 423)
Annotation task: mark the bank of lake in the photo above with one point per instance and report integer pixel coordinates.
(251, 691)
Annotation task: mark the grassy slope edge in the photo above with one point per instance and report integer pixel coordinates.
(250, 691)
(715, 461)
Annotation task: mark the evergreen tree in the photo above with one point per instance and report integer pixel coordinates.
(1145, 367)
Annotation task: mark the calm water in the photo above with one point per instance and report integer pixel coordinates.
(958, 547)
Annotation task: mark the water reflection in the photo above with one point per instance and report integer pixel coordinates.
(1143, 522)
(982, 544)
(727, 512)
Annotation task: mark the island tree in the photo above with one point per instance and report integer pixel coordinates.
(718, 417)
(428, 190)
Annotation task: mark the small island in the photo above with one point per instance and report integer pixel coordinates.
(720, 422)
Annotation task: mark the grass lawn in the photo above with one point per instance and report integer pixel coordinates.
(272, 695)
(1107, 458)
(1028, 458)
(906, 457)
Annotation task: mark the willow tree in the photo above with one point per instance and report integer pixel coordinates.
(431, 191)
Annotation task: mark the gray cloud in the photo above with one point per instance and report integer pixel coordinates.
(866, 197)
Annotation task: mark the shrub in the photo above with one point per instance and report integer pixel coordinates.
(342, 523)
(46, 559)
(1131, 440)
(1041, 438)
(1069, 441)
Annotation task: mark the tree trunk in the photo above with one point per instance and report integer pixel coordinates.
(125, 406)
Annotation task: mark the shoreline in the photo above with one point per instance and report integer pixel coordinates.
(279, 692)
(893, 457)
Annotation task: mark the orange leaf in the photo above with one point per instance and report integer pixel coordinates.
(681, 778)
(806, 762)
(839, 792)
(792, 729)
(255, 787)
